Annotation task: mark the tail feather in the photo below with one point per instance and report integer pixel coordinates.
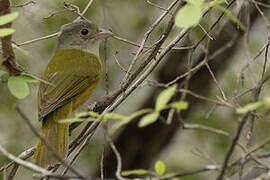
(56, 135)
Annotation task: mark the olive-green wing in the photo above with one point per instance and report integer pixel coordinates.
(60, 90)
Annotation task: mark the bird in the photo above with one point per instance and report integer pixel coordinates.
(69, 80)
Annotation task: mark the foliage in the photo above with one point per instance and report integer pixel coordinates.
(191, 14)
(160, 171)
(151, 116)
(7, 19)
(254, 106)
(194, 146)
(18, 85)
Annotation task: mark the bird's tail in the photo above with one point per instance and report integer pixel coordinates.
(56, 135)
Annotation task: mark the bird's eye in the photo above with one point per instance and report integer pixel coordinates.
(84, 32)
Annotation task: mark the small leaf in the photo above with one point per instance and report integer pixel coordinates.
(195, 2)
(213, 3)
(86, 114)
(231, 16)
(164, 97)
(148, 119)
(160, 168)
(134, 172)
(93, 114)
(8, 18)
(249, 107)
(2, 72)
(188, 16)
(126, 120)
(33, 78)
(179, 105)
(81, 114)
(28, 78)
(113, 116)
(73, 120)
(18, 87)
(6, 31)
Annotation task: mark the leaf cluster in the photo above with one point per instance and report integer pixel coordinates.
(7, 19)
(160, 171)
(18, 85)
(191, 14)
(150, 115)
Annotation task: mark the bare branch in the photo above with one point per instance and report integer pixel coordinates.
(26, 164)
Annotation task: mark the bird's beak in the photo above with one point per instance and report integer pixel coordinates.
(103, 34)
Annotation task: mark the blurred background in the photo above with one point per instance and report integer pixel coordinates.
(181, 149)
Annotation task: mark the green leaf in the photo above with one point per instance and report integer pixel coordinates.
(81, 114)
(231, 16)
(181, 105)
(160, 168)
(195, 2)
(2, 72)
(32, 77)
(85, 114)
(8, 18)
(113, 116)
(148, 119)
(76, 119)
(164, 97)
(126, 120)
(188, 16)
(18, 87)
(28, 78)
(249, 107)
(134, 172)
(93, 114)
(6, 31)
(212, 3)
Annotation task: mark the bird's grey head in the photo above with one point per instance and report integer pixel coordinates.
(82, 35)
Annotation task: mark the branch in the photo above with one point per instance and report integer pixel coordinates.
(27, 121)
(233, 145)
(8, 55)
(207, 168)
(24, 155)
(26, 164)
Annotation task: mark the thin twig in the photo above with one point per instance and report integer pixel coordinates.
(24, 163)
(155, 5)
(86, 8)
(145, 37)
(37, 39)
(232, 147)
(265, 57)
(262, 14)
(48, 146)
(207, 168)
(216, 82)
(210, 129)
(117, 154)
(118, 63)
(24, 155)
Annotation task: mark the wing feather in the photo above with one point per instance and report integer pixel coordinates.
(61, 90)
(69, 73)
